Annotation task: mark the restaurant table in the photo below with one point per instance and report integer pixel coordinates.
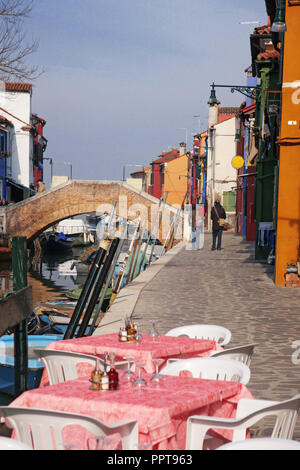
(163, 347)
(161, 410)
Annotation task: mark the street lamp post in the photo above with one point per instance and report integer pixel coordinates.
(70, 164)
(51, 167)
(129, 164)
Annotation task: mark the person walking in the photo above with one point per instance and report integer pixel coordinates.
(217, 212)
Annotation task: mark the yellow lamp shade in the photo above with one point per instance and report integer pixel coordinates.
(237, 162)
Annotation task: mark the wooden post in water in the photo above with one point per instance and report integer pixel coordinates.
(19, 269)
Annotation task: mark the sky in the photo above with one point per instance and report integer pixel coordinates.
(125, 80)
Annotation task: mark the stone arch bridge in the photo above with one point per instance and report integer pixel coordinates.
(32, 216)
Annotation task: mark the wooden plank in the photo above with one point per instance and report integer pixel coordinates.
(15, 308)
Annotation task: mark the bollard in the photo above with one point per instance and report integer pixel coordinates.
(19, 269)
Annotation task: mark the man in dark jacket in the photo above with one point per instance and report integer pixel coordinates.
(217, 212)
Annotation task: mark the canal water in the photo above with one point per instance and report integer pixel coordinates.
(51, 277)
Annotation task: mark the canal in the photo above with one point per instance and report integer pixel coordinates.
(50, 277)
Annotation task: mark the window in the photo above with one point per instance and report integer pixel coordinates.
(229, 203)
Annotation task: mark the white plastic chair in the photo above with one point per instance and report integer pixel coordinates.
(248, 413)
(210, 368)
(214, 332)
(240, 353)
(262, 444)
(7, 443)
(62, 365)
(42, 429)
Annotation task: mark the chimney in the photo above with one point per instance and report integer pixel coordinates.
(182, 150)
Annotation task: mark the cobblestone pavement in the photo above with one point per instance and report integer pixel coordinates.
(231, 289)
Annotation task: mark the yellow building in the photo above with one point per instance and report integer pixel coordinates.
(175, 180)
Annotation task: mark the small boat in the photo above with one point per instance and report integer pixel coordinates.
(59, 322)
(74, 294)
(77, 229)
(56, 242)
(35, 367)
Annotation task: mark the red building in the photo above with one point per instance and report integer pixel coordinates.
(39, 147)
(157, 174)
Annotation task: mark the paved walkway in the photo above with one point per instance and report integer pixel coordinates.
(230, 288)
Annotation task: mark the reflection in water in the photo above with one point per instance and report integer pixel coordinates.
(50, 278)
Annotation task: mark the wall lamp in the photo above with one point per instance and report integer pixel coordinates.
(279, 25)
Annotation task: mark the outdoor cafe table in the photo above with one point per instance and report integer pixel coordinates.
(161, 410)
(161, 347)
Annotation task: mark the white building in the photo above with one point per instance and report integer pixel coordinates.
(221, 176)
(22, 140)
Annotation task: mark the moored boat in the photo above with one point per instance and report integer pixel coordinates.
(77, 229)
(56, 242)
(7, 361)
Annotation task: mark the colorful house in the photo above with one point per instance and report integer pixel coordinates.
(288, 143)
(221, 176)
(22, 142)
(176, 177)
(156, 187)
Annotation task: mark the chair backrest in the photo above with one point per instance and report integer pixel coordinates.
(43, 429)
(210, 368)
(63, 365)
(214, 332)
(286, 413)
(240, 353)
(7, 443)
(262, 444)
(249, 414)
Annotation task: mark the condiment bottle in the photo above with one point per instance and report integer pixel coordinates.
(113, 375)
(96, 376)
(131, 332)
(123, 335)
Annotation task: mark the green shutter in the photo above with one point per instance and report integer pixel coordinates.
(229, 201)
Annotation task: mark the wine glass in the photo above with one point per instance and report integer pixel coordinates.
(129, 374)
(153, 333)
(95, 443)
(139, 382)
(138, 336)
(157, 377)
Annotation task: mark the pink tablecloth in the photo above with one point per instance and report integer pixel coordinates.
(161, 347)
(161, 411)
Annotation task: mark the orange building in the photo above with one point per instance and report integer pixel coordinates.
(175, 180)
(288, 210)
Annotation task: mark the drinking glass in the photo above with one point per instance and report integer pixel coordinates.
(129, 374)
(139, 382)
(157, 377)
(95, 443)
(153, 333)
(138, 336)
